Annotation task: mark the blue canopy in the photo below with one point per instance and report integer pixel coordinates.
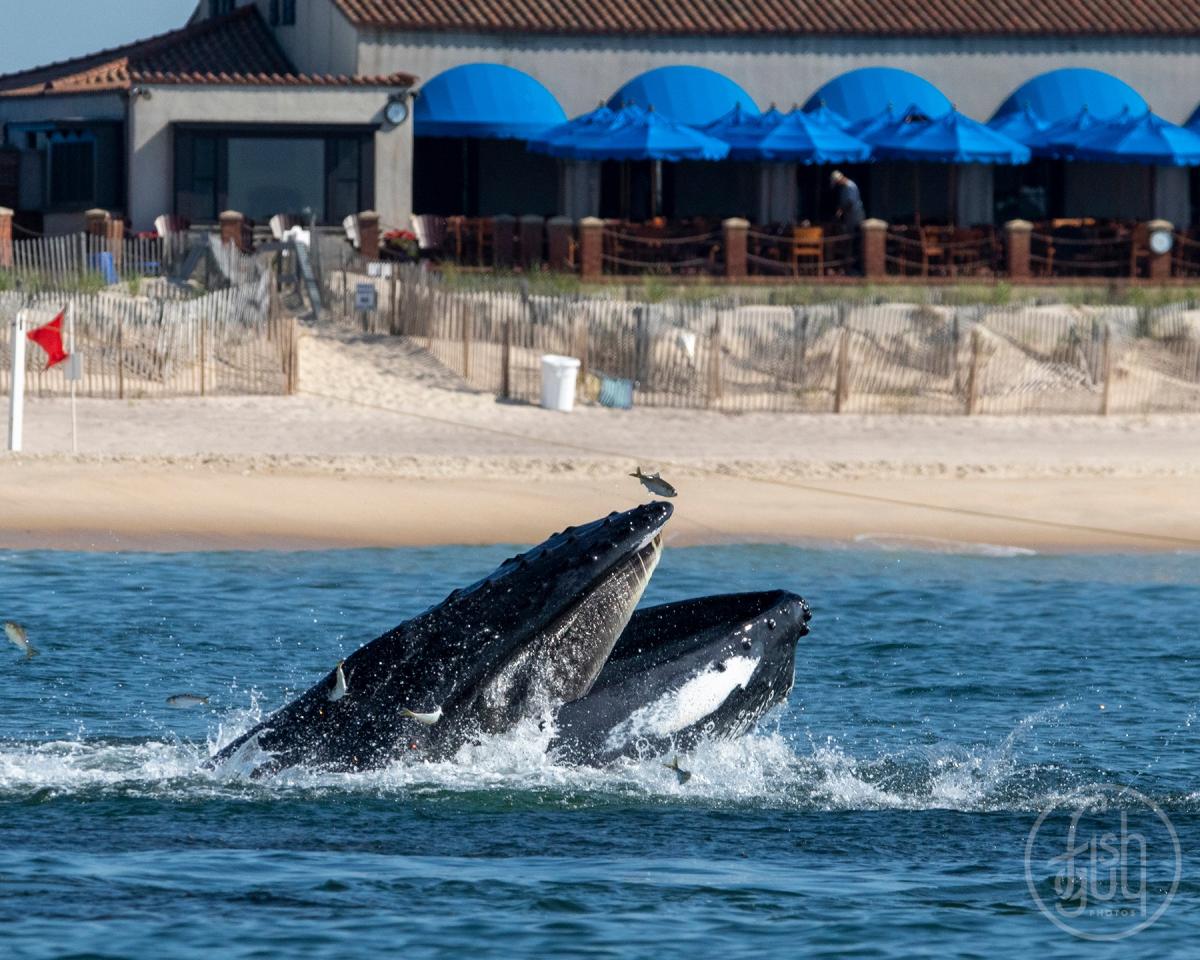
(953, 138)
(738, 128)
(1022, 125)
(880, 124)
(828, 117)
(486, 101)
(1058, 140)
(1061, 94)
(1148, 139)
(600, 118)
(863, 93)
(637, 134)
(803, 138)
(691, 95)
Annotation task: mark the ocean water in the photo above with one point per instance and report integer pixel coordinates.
(948, 695)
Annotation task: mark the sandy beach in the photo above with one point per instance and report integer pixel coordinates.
(385, 447)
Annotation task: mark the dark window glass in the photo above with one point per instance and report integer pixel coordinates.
(218, 8)
(289, 13)
(344, 159)
(72, 172)
(274, 14)
(197, 175)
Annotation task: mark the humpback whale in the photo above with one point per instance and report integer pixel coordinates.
(529, 637)
(707, 668)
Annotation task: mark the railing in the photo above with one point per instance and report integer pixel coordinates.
(934, 251)
(783, 250)
(727, 354)
(632, 249)
(1083, 250)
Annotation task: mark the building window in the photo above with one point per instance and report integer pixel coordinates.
(71, 167)
(218, 8)
(261, 172)
(79, 165)
(283, 13)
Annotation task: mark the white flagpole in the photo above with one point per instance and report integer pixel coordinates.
(16, 400)
(71, 373)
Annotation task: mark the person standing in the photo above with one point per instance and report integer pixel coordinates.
(849, 208)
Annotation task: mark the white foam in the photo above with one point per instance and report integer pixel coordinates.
(893, 543)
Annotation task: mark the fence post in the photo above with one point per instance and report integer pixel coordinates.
(558, 242)
(1158, 265)
(714, 361)
(393, 307)
(503, 229)
(873, 233)
(506, 361)
(581, 347)
(973, 374)
(203, 348)
(1107, 362)
(591, 248)
(6, 237)
(841, 387)
(121, 355)
(734, 233)
(468, 318)
(1017, 237)
(368, 234)
(232, 225)
(531, 232)
(800, 344)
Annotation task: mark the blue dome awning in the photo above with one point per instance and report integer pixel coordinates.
(692, 95)
(486, 101)
(867, 91)
(1062, 94)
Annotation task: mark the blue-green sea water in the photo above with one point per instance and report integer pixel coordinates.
(945, 698)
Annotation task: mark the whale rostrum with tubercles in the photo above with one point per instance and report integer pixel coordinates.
(550, 635)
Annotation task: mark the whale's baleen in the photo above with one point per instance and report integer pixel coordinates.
(519, 643)
(707, 668)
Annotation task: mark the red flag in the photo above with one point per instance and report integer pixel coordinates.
(49, 338)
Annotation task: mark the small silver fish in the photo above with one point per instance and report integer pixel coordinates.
(338, 690)
(185, 701)
(16, 633)
(683, 775)
(654, 483)
(429, 719)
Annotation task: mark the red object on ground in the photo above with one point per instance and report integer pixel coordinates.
(49, 338)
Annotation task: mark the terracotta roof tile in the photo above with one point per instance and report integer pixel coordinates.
(238, 49)
(940, 18)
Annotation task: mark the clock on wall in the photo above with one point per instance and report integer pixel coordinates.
(396, 112)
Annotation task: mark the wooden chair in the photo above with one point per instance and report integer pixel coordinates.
(1139, 248)
(808, 243)
(933, 248)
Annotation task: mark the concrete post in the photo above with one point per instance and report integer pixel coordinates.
(591, 248)
(874, 248)
(96, 222)
(531, 229)
(368, 234)
(232, 227)
(734, 231)
(6, 237)
(560, 232)
(1158, 265)
(503, 240)
(1017, 234)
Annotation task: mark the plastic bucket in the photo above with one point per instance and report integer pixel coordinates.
(558, 382)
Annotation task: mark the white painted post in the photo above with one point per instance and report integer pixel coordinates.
(16, 400)
(72, 369)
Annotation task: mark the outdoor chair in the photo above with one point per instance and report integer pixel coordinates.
(430, 231)
(281, 223)
(808, 244)
(934, 250)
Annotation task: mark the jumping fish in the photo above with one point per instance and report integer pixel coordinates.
(16, 633)
(338, 690)
(186, 701)
(654, 483)
(683, 775)
(429, 719)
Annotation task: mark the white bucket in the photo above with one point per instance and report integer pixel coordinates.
(558, 382)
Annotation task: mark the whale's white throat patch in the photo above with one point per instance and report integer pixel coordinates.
(689, 703)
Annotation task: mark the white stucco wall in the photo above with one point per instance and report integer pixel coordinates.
(152, 165)
(977, 74)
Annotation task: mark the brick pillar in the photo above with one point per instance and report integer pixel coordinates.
(734, 231)
(560, 232)
(503, 240)
(1017, 234)
(232, 227)
(1158, 265)
(532, 232)
(96, 223)
(368, 234)
(6, 235)
(591, 248)
(874, 248)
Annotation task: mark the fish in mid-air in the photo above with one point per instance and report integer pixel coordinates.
(683, 775)
(654, 483)
(338, 690)
(185, 701)
(16, 633)
(429, 719)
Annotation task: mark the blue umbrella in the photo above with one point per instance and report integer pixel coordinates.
(953, 138)
(636, 134)
(738, 128)
(882, 123)
(1058, 140)
(1149, 139)
(593, 119)
(1022, 125)
(828, 117)
(803, 138)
